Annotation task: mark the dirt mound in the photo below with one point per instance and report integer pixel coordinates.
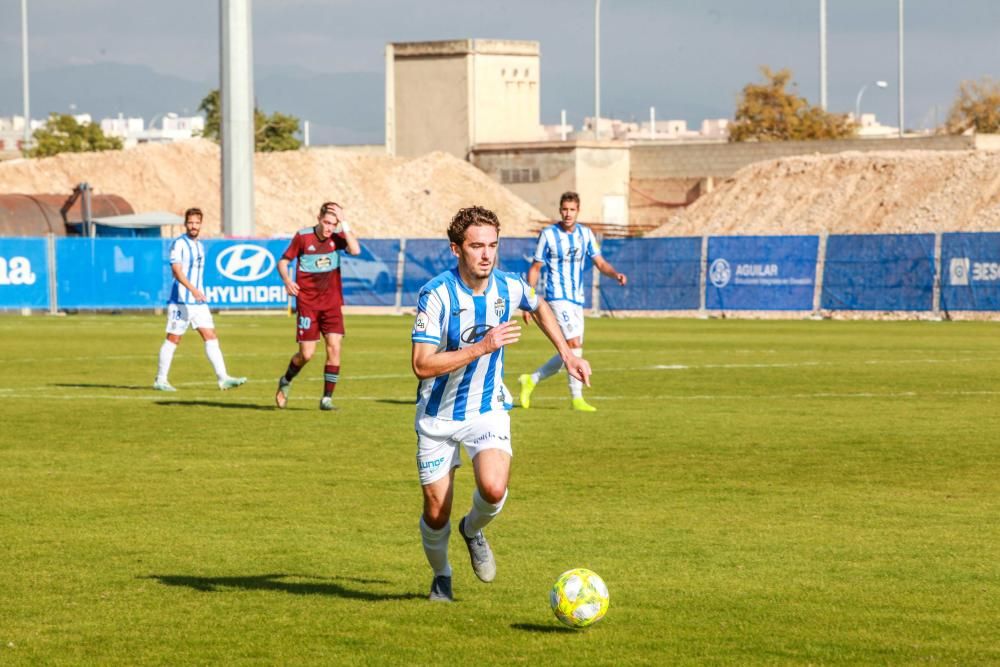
(851, 193)
(385, 197)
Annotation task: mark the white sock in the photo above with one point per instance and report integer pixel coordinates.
(166, 357)
(436, 547)
(548, 369)
(481, 513)
(575, 386)
(214, 354)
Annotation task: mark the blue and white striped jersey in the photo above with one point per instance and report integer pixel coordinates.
(562, 256)
(451, 317)
(190, 254)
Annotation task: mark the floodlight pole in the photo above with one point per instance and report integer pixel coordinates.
(901, 116)
(25, 88)
(236, 117)
(822, 54)
(597, 69)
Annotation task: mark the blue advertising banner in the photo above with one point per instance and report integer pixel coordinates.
(970, 271)
(879, 272)
(425, 258)
(761, 272)
(24, 274)
(370, 278)
(663, 274)
(515, 255)
(242, 274)
(112, 273)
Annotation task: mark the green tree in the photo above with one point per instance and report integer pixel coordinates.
(63, 134)
(271, 133)
(977, 108)
(769, 112)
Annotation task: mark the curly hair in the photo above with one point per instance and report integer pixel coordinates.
(467, 217)
(192, 212)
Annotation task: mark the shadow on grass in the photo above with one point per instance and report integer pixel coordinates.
(538, 627)
(217, 404)
(97, 385)
(276, 582)
(396, 401)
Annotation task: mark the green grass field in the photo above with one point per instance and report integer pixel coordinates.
(753, 492)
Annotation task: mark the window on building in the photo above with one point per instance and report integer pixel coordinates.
(514, 176)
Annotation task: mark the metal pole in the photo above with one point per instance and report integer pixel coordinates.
(902, 122)
(822, 54)
(857, 104)
(597, 69)
(24, 75)
(237, 108)
(562, 124)
(390, 99)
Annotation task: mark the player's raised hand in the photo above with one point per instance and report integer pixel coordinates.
(579, 368)
(504, 334)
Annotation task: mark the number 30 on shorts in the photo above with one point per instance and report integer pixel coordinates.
(304, 322)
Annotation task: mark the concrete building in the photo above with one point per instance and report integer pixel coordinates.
(453, 95)
(538, 172)
(480, 100)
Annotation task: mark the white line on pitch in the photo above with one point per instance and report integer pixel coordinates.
(182, 397)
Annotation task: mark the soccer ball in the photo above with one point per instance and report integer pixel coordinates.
(579, 598)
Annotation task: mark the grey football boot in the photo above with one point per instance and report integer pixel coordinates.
(483, 563)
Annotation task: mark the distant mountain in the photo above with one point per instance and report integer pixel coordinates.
(340, 108)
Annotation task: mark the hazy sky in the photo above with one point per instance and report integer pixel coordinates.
(688, 58)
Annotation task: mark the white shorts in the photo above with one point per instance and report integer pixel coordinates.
(570, 317)
(180, 316)
(438, 441)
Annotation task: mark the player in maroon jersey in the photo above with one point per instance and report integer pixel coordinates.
(319, 296)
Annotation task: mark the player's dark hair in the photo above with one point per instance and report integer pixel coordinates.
(193, 211)
(571, 197)
(467, 217)
(327, 207)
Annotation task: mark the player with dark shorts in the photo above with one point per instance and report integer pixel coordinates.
(319, 296)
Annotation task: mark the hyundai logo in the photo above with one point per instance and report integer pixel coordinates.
(245, 263)
(475, 333)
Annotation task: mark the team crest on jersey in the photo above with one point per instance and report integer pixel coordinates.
(324, 263)
(499, 306)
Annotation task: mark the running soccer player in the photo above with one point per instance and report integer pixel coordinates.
(187, 306)
(462, 324)
(562, 249)
(319, 296)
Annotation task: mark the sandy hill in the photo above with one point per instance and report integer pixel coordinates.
(385, 197)
(852, 193)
